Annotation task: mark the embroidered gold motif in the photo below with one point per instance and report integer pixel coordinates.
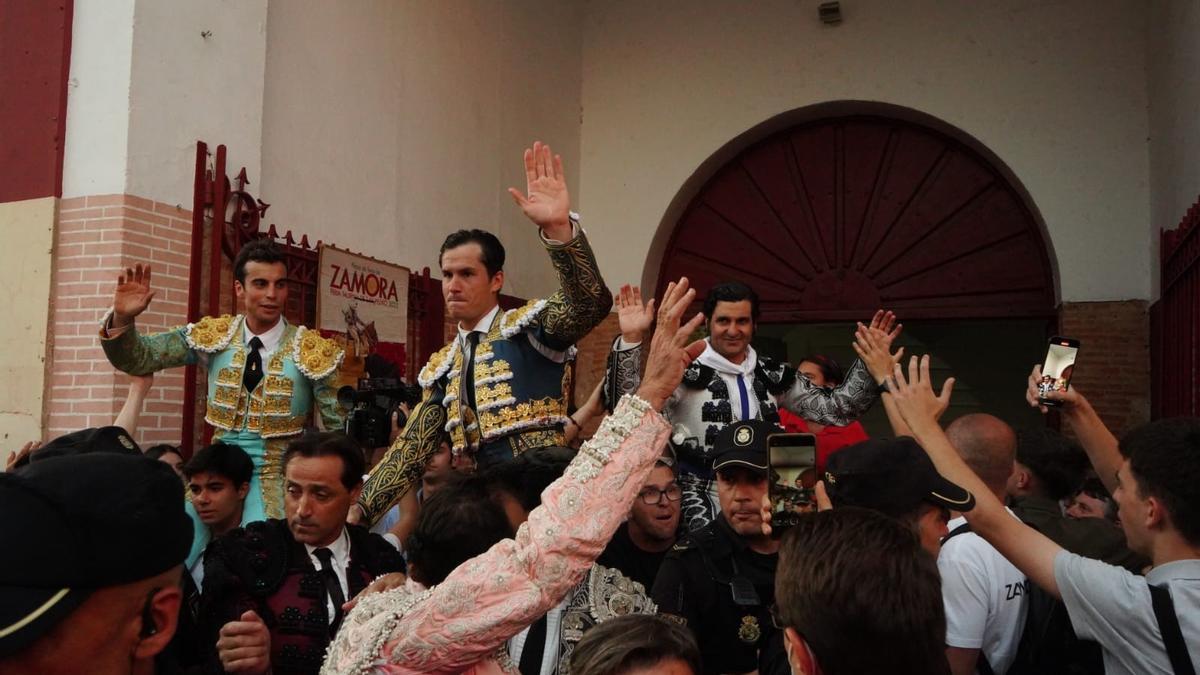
(221, 418)
(278, 405)
(225, 396)
(316, 357)
(494, 368)
(239, 358)
(281, 426)
(229, 377)
(210, 333)
(749, 631)
(271, 478)
(533, 411)
(278, 384)
(487, 395)
(437, 364)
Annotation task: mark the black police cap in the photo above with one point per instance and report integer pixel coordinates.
(72, 524)
(892, 476)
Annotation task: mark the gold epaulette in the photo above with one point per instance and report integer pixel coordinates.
(314, 355)
(514, 320)
(438, 364)
(211, 334)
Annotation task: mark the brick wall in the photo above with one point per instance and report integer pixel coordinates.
(97, 236)
(1113, 368)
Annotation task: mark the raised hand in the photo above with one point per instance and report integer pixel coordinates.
(885, 321)
(133, 294)
(546, 201)
(382, 583)
(633, 317)
(1068, 399)
(873, 346)
(670, 353)
(914, 396)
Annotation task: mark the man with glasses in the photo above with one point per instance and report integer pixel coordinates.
(720, 579)
(640, 544)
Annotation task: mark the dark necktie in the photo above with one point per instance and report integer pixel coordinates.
(535, 648)
(254, 369)
(332, 585)
(468, 374)
(745, 396)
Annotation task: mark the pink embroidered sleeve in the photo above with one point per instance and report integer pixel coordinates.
(492, 597)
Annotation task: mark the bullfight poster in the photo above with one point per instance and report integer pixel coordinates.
(363, 303)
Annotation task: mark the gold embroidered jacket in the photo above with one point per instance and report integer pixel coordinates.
(520, 374)
(297, 376)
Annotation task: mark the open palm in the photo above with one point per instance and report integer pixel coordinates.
(633, 317)
(133, 294)
(547, 202)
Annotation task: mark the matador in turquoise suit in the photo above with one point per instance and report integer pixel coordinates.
(264, 375)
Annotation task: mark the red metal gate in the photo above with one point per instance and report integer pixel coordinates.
(1174, 333)
(225, 215)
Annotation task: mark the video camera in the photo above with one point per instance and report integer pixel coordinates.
(370, 408)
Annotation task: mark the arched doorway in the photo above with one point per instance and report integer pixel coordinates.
(832, 218)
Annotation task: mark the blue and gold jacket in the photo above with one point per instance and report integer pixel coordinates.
(522, 381)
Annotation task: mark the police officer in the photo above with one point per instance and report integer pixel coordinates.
(720, 580)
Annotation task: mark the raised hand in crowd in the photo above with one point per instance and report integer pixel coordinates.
(245, 645)
(1100, 443)
(18, 457)
(670, 352)
(133, 294)
(1032, 552)
(633, 316)
(545, 201)
(873, 344)
(576, 421)
(135, 399)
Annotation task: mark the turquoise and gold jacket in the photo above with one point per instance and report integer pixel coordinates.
(298, 376)
(522, 381)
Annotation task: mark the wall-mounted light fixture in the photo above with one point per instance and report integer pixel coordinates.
(830, 13)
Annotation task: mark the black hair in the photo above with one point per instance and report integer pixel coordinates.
(489, 244)
(457, 523)
(257, 250)
(863, 593)
(830, 369)
(157, 451)
(1058, 464)
(730, 291)
(222, 459)
(1094, 488)
(631, 642)
(528, 475)
(1164, 458)
(330, 444)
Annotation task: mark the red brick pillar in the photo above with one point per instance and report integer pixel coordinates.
(96, 237)
(1113, 368)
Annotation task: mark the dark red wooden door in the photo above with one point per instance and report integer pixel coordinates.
(832, 219)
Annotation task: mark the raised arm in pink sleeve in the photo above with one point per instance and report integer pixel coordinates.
(492, 597)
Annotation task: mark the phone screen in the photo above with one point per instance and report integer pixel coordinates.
(1058, 367)
(792, 459)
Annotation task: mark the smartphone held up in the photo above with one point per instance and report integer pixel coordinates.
(792, 460)
(1057, 368)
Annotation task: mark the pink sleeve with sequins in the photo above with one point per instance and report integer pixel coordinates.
(492, 597)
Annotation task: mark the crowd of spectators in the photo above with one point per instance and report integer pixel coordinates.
(646, 547)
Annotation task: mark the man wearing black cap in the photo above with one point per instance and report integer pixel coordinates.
(719, 580)
(896, 478)
(93, 557)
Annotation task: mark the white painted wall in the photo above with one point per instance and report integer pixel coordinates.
(187, 87)
(24, 291)
(1057, 90)
(97, 129)
(146, 85)
(388, 125)
(1173, 75)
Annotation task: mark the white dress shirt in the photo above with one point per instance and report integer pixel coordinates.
(270, 338)
(341, 560)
